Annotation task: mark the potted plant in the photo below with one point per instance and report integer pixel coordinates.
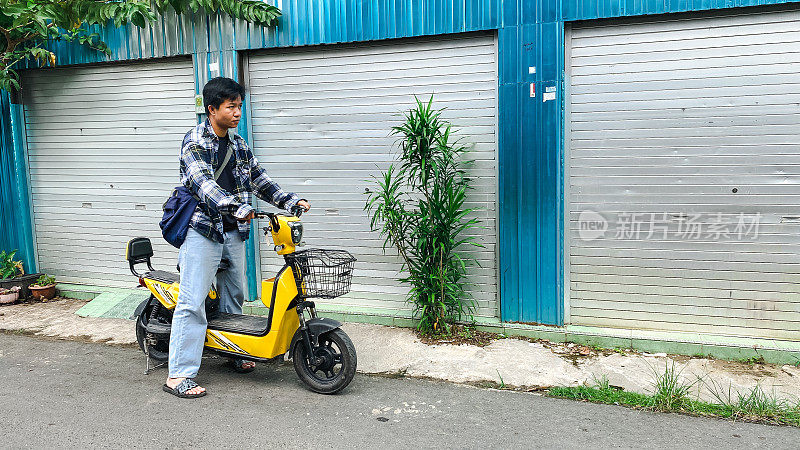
(12, 274)
(9, 295)
(44, 288)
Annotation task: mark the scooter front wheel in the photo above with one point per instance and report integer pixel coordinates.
(332, 366)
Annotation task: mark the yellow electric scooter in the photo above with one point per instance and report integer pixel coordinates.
(323, 355)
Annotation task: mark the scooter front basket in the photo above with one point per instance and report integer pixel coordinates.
(322, 273)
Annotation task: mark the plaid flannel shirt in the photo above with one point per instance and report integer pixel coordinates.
(199, 158)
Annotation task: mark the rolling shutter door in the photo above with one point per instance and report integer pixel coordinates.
(690, 126)
(103, 144)
(322, 119)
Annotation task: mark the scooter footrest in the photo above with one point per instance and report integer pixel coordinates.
(161, 329)
(240, 323)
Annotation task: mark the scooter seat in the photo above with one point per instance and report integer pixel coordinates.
(162, 276)
(240, 323)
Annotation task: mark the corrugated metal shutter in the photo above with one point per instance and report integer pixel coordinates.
(692, 125)
(321, 124)
(103, 145)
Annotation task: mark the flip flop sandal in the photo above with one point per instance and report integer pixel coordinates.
(238, 366)
(182, 388)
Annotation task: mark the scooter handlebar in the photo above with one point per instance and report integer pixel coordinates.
(296, 211)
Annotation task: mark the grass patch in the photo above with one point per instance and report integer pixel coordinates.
(754, 404)
(671, 394)
(596, 395)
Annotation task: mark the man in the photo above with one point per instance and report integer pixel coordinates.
(218, 228)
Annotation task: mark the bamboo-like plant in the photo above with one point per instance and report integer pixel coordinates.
(418, 207)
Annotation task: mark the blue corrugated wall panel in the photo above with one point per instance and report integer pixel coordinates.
(310, 22)
(16, 231)
(531, 229)
(530, 33)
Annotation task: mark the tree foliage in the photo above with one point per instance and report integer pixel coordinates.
(26, 25)
(419, 209)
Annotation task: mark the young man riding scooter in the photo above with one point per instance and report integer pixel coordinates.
(218, 228)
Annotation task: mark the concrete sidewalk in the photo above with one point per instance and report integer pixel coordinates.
(397, 351)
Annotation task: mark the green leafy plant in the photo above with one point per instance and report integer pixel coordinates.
(9, 268)
(27, 25)
(45, 280)
(418, 207)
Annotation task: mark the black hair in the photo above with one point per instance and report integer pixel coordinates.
(219, 89)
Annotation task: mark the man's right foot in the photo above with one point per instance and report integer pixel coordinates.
(187, 390)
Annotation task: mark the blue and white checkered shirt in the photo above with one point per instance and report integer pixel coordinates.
(200, 157)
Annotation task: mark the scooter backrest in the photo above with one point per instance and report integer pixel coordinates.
(139, 250)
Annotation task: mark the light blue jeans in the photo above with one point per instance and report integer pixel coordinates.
(199, 258)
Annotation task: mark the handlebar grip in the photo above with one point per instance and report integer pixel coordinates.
(298, 210)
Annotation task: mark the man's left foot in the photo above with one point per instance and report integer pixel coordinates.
(243, 366)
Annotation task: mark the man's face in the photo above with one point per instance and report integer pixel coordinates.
(228, 113)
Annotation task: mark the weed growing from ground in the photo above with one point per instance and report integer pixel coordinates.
(753, 360)
(754, 404)
(466, 332)
(670, 392)
(600, 383)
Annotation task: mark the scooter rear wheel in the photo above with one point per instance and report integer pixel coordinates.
(158, 345)
(337, 363)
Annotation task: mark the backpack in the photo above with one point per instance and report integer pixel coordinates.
(179, 209)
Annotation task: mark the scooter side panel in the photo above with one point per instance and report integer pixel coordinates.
(266, 291)
(166, 293)
(283, 326)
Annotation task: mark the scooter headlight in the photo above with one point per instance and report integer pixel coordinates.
(296, 229)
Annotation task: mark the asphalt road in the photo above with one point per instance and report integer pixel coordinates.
(62, 394)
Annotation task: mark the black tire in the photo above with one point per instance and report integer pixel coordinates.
(338, 368)
(160, 351)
